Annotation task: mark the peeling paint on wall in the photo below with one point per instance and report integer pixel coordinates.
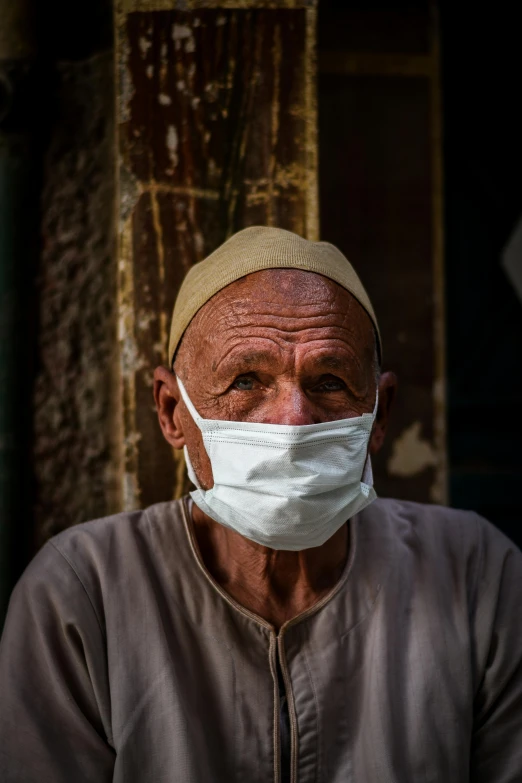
(411, 454)
(172, 144)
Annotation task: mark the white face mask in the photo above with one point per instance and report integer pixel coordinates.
(285, 487)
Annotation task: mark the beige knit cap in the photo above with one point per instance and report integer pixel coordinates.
(252, 250)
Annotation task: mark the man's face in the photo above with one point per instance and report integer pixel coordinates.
(277, 347)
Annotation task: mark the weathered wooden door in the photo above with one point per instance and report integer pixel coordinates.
(217, 131)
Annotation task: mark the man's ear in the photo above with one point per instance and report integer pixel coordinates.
(166, 397)
(387, 392)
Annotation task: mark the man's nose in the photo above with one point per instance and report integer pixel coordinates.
(291, 406)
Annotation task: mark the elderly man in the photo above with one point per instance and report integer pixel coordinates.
(280, 624)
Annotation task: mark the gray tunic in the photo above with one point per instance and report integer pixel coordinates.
(123, 661)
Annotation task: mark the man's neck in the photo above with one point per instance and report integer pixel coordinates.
(274, 584)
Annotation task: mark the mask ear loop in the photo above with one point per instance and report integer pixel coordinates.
(190, 470)
(186, 399)
(375, 407)
(197, 418)
(367, 474)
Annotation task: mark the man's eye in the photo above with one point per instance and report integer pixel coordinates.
(243, 384)
(329, 386)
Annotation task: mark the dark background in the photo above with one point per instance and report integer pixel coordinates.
(481, 79)
(482, 82)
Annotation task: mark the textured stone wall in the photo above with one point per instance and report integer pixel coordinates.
(75, 394)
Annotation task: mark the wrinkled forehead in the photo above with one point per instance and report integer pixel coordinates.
(285, 300)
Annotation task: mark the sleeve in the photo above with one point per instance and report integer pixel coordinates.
(496, 749)
(54, 695)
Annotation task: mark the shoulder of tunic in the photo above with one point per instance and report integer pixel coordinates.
(445, 544)
(122, 530)
(111, 556)
(434, 525)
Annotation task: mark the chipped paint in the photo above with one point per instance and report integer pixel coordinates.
(172, 144)
(181, 31)
(129, 193)
(145, 45)
(411, 454)
(144, 320)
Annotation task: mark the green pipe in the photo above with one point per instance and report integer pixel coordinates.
(19, 229)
